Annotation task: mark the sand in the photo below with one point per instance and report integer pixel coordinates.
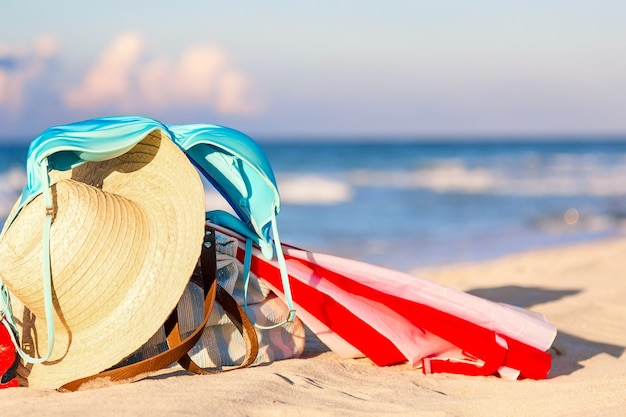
(581, 289)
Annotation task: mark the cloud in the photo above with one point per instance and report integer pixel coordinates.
(22, 65)
(128, 77)
(109, 79)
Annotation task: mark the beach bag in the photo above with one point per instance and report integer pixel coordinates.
(221, 344)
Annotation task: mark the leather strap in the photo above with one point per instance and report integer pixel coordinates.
(239, 318)
(234, 311)
(178, 348)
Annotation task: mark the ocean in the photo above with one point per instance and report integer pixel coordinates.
(416, 204)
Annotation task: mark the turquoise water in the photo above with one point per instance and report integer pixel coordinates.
(415, 204)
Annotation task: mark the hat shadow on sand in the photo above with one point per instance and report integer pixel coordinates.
(568, 351)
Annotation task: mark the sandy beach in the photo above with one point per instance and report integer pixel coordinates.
(580, 288)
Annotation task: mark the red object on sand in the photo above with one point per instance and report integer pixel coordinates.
(359, 309)
(8, 359)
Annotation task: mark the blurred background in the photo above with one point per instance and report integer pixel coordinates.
(404, 133)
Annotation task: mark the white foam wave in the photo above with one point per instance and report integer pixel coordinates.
(442, 178)
(313, 189)
(308, 189)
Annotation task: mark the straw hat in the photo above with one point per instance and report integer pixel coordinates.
(126, 236)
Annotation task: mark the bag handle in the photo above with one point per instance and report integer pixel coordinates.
(237, 315)
(178, 348)
(234, 311)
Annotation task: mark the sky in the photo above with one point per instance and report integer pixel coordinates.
(341, 68)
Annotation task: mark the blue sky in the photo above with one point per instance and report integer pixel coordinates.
(319, 68)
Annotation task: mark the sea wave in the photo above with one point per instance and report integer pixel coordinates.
(564, 178)
(312, 189)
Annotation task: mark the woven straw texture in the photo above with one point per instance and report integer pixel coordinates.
(125, 239)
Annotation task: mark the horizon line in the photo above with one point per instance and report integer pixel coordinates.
(426, 138)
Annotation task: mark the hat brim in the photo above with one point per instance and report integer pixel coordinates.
(156, 265)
